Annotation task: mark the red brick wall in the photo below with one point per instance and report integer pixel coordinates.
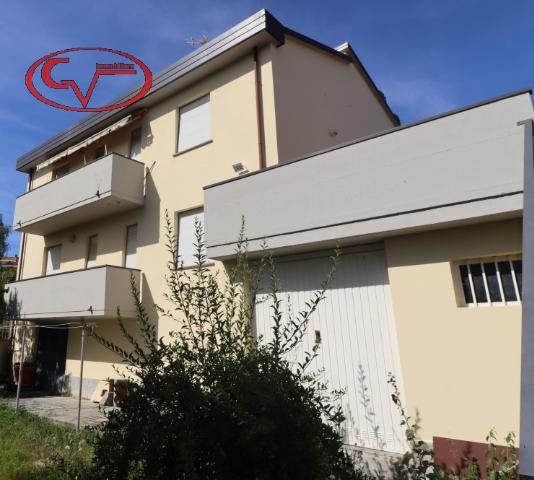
(454, 455)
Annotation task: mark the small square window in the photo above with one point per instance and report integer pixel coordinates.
(492, 281)
(507, 280)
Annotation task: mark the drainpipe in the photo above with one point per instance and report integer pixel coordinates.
(259, 109)
(526, 432)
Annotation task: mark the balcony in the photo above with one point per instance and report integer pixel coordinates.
(106, 187)
(449, 171)
(90, 294)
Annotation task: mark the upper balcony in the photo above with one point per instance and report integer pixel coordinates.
(93, 293)
(108, 186)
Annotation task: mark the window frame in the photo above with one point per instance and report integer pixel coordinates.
(45, 259)
(188, 212)
(178, 152)
(132, 132)
(126, 244)
(461, 300)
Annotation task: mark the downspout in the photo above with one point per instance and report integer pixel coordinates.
(259, 109)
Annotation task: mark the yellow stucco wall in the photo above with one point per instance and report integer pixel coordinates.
(174, 182)
(461, 365)
(321, 101)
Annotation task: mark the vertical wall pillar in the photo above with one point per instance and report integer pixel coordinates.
(526, 434)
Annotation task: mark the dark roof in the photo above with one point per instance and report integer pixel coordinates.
(471, 106)
(261, 22)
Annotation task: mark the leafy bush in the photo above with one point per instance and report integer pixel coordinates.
(211, 402)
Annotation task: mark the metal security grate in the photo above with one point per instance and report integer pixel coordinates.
(492, 281)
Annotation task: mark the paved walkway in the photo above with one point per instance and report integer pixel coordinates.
(63, 409)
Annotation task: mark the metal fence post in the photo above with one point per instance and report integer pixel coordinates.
(81, 379)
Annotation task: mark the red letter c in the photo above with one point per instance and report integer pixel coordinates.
(46, 72)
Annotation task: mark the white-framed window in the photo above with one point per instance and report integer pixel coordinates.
(135, 144)
(187, 238)
(130, 257)
(53, 260)
(92, 251)
(491, 281)
(194, 124)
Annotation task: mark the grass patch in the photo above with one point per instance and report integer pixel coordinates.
(38, 449)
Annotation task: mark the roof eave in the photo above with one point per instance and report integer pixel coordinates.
(258, 29)
(370, 82)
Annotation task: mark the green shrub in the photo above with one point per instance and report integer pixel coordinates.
(211, 402)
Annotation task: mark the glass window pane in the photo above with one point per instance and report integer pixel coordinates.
(187, 240)
(53, 260)
(478, 282)
(466, 286)
(507, 281)
(92, 252)
(493, 282)
(135, 144)
(518, 269)
(131, 247)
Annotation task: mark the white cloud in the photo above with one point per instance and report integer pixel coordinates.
(11, 118)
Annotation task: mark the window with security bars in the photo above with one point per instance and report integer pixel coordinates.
(492, 281)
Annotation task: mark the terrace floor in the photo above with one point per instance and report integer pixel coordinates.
(63, 409)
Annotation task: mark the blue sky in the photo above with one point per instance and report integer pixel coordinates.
(426, 56)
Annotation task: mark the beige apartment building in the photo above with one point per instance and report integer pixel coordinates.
(265, 123)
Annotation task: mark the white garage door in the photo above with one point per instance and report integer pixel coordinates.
(356, 329)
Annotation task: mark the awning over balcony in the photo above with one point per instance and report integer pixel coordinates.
(88, 141)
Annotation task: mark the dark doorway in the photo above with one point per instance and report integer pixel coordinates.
(50, 360)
